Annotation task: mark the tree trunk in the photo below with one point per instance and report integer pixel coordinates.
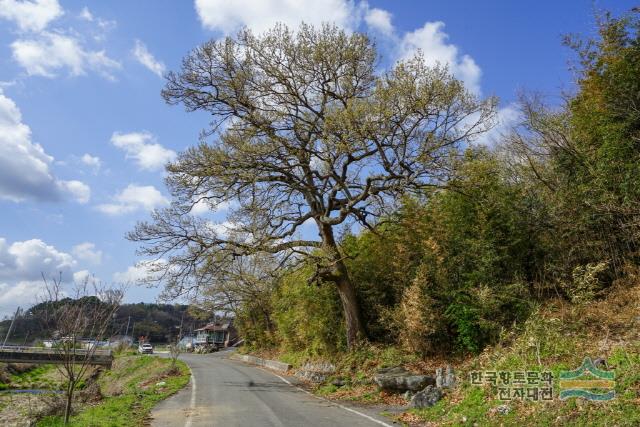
(340, 276)
(67, 408)
(267, 319)
(351, 308)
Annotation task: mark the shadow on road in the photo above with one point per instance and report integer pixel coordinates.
(253, 386)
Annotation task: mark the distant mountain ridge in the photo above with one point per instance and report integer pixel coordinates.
(159, 323)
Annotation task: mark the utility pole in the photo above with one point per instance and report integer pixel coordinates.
(180, 333)
(126, 333)
(13, 321)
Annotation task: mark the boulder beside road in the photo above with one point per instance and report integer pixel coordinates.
(427, 397)
(398, 379)
(316, 372)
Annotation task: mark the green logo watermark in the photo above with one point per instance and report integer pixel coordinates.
(588, 382)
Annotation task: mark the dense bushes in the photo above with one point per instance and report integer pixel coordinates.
(553, 211)
(304, 319)
(585, 156)
(449, 271)
(446, 272)
(253, 319)
(308, 316)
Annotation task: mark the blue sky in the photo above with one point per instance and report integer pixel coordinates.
(84, 132)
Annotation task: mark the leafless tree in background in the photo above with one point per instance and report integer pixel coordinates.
(83, 313)
(244, 281)
(174, 353)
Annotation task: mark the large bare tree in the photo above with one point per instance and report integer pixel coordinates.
(305, 129)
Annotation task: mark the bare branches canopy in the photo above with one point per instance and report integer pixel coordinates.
(305, 129)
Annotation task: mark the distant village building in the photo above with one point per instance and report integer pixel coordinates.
(220, 334)
(188, 342)
(121, 340)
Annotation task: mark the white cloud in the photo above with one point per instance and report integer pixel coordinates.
(102, 28)
(506, 118)
(28, 260)
(379, 20)
(23, 263)
(203, 207)
(48, 53)
(138, 273)
(85, 277)
(141, 146)
(200, 208)
(80, 191)
(432, 41)
(99, 28)
(134, 198)
(133, 274)
(222, 229)
(88, 252)
(19, 154)
(93, 162)
(259, 15)
(86, 14)
(21, 294)
(30, 15)
(143, 56)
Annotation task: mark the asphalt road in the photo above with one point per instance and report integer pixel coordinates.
(225, 392)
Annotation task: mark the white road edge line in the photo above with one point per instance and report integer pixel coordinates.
(382, 423)
(193, 399)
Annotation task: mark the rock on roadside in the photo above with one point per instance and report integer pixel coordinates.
(398, 379)
(427, 397)
(316, 372)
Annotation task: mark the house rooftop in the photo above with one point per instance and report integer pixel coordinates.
(217, 326)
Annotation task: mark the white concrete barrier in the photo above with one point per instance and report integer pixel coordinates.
(271, 364)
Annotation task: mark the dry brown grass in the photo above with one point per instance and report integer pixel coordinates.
(605, 327)
(265, 353)
(352, 393)
(414, 420)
